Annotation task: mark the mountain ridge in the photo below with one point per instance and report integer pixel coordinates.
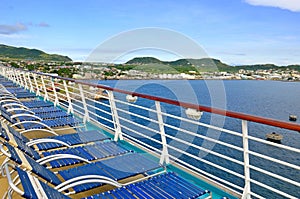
(11, 52)
(206, 64)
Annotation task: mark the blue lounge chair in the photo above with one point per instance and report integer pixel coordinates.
(53, 119)
(95, 170)
(168, 185)
(74, 155)
(96, 150)
(49, 109)
(156, 187)
(55, 122)
(43, 113)
(37, 104)
(20, 92)
(80, 137)
(8, 84)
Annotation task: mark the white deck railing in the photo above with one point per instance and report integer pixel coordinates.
(231, 164)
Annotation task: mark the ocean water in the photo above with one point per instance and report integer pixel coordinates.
(271, 99)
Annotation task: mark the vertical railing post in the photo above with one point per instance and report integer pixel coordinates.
(18, 78)
(21, 79)
(36, 85)
(30, 83)
(70, 107)
(115, 117)
(25, 81)
(3, 71)
(247, 188)
(86, 117)
(45, 89)
(6, 74)
(56, 102)
(164, 158)
(14, 77)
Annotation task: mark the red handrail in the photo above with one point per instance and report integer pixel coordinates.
(242, 116)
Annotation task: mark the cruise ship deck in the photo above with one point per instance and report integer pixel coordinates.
(64, 138)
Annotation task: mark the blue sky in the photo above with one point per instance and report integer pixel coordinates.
(234, 31)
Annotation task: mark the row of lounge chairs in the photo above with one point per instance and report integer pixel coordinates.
(43, 113)
(96, 160)
(14, 112)
(168, 185)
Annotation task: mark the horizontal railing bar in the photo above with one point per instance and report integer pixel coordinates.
(203, 124)
(108, 127)
(275, 160)
(73, 104)
(77, 94)
(135, 105)
(205, 137)
(60, 94)
(51, 94)
(62, 89)
(72, 88)
(78, 111)
(64, 106)
(206, 150)
(140, 143)
(275, 175)
(193, 169)
(101, 110)
(273, 189)
(137, 124)
(256, 195)
(274, 144)
(57, 82)
(137, 115)
(89, 93)
(99, 116)
(95, 94)
(207, 162)
(95, 101)
(61, 98)
(144, 136)
(103, 104)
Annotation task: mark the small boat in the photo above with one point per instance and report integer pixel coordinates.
(274, 137)
(293, 117)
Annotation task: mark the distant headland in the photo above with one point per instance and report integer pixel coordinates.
(143, 67)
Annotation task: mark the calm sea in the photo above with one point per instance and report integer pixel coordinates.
(272, 99)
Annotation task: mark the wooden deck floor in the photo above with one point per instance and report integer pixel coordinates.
(4, 184)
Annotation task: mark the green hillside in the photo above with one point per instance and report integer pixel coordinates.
(10, 52)
(199, 65)
(144, 60)
(180, 65)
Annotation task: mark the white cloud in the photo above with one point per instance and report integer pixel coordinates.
(43, 24)
(292, 5)
(12, 29)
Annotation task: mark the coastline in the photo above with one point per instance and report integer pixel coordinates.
(136, 78)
